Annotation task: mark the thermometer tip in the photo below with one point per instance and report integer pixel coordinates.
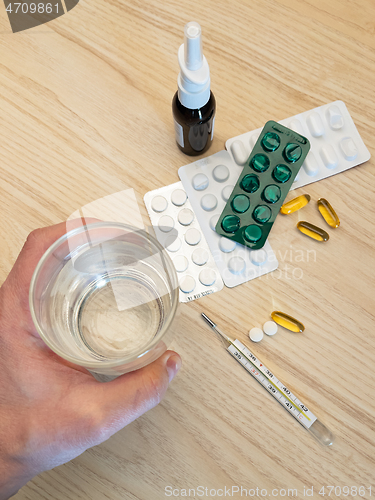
(211, 323)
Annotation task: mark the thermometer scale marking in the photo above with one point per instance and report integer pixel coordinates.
(278, 390)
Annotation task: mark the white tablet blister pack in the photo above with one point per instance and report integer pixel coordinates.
(177, 230)
(209, 183)
(335, 143)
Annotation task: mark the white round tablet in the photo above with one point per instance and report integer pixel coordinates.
(200, 256)
(180, 263)
(173, 244)
(220, 173)
(258, 257)
(207, 277)
(270, 328)
(192, 236)
(236, 265)
(213, 221)
(226, 192)
(159, 204)
(209, 202)
(226, 245)
(256, 334)
(166, 223)
(178, 197)
(200, 182)
(187, 284)
(185, 216)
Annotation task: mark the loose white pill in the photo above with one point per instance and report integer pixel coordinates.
(209, 202)
(239, 152)
(200, 182)
(236, 265)
(159, 204)
(180, 263)
(166, 223)
(220, 173)
(187, 284)
(185, 216)
(226, 245)
(270, 328)
(192, 236)
(173, 244)
(256, 334)
(258, 257)
(200, 256)
(207, 277)
(213, 221)
(178, 197)
(226, 192)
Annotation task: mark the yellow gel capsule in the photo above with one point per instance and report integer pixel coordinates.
(313, 231)
(328, 214)
(287, 322)
(293, 205)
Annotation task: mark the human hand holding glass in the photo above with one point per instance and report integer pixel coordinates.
(52, 410)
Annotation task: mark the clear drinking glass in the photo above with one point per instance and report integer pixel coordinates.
(104, 296)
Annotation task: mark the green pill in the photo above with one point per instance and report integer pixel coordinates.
(281, 173)
(253, 233)
(271, 193)
(262, 214)
(260, 163)
(230, 223)
(292, 152)
(250, 183)
(240, 203)
(270, 141)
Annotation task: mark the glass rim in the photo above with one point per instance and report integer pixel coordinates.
(92, 364)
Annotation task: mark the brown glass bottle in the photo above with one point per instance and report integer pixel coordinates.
(194, 127)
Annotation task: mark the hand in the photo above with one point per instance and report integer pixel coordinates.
(50, 410)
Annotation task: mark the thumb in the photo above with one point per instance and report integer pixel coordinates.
(124, 399)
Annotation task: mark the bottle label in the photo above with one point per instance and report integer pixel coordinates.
(179, 132)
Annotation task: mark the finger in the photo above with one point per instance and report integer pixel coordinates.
(126, 398)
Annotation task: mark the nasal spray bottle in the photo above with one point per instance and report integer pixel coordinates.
(193, 104)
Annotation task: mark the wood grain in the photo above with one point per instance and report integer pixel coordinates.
(85, 107)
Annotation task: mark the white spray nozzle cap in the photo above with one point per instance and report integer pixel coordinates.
(194, 78)
(193, 46)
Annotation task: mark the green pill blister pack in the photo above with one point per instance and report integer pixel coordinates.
(263, 185)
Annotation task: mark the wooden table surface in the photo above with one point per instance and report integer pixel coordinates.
(85, 108)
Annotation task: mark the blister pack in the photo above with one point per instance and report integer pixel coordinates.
(265, 180)
(177, 230)
(335, 142)
(209, 183)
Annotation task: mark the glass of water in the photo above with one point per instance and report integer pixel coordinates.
(104, 296)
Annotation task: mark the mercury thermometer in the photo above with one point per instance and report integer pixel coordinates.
(276, 388)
